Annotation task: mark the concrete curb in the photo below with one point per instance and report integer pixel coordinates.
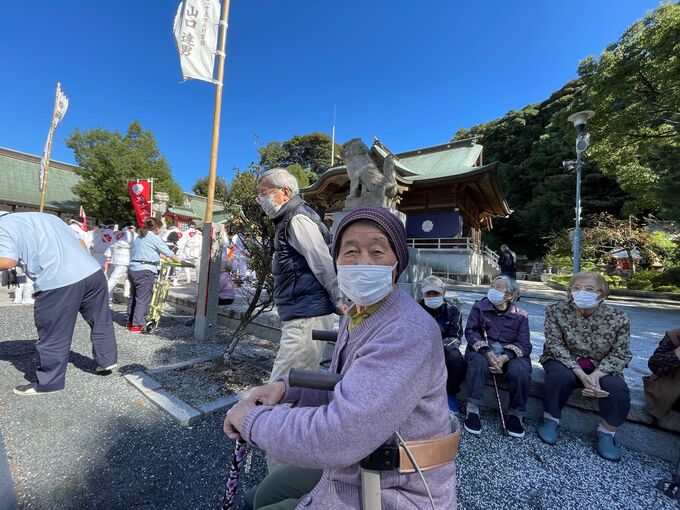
(182, 412)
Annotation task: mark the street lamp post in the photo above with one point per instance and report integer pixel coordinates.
(579, 120)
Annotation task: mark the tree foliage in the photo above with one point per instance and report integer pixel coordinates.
(240, 202)
(200, 187)
(107, 159)
(530, 146)
(311, 151)
(634, 87)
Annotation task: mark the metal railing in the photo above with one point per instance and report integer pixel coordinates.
(443, 243)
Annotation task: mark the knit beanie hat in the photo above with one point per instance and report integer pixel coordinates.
(394, 229)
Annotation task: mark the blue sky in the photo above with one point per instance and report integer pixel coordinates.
(411, 73)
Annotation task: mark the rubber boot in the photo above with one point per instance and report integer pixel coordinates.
(547, 432)
(453, 403)
(606, 447)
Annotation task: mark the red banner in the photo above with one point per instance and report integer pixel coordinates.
(140, 194)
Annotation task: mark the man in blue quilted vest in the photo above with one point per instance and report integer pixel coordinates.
(305, 285)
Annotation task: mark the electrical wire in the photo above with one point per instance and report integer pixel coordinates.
(410, 456)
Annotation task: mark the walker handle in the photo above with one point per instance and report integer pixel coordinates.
(313, 380)
(325, 336)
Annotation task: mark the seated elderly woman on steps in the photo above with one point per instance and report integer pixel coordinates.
(389, 351)
(497, 333)
(587, 344)
(662, 388)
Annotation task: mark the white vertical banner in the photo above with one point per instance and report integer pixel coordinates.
(60, 108)
(195, 32)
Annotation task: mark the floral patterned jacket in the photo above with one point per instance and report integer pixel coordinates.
(603, 338)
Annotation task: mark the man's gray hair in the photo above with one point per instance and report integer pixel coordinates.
(511, 284)
(281, 178)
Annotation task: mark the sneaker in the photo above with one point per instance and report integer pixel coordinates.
(105, 371)
(128, 324)
(547, 432)
(514, 426)
(473, 424)
(29, 389)
(136, 329)
(606, 447)
(453, 403)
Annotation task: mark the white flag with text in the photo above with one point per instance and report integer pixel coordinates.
(60, 109)
(195, 32)
(43, 165)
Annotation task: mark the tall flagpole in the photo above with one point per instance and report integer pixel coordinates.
(333, 140)
(208, 280)
(49, 150)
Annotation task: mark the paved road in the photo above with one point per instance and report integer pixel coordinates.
(99, 444)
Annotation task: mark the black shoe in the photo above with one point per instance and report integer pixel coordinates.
(514, 426)
(105, 370)
(473, 424)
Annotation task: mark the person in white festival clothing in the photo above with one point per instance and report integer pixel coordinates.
(101, 243)
(122, 243)
(175, 239)
(191, 250)
(85, 236)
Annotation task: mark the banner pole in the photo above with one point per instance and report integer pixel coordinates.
(49, 150)
(209, 269)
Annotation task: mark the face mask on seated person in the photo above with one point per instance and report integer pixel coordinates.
(434, 302)
(495, 296)
(585, 299)
(365, 284)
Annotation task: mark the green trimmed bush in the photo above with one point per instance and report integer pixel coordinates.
(667, 288)
(642, 280)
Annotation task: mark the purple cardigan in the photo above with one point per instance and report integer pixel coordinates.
(394, 378)
(511, 328)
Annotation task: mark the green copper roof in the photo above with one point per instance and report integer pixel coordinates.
(194, 207)
(442, 161)
(19, 182)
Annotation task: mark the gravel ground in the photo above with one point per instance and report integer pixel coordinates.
(100, 444)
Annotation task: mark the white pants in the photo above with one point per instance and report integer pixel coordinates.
(24, 292)
(116, 272)
(297, 349)
(187, 270)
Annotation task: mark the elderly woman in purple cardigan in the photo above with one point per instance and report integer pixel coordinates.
(394, 380)
(497, 334)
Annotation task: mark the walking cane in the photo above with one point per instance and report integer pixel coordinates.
(500, 406)
(240, 452)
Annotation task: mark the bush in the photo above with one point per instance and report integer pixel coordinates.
(667, 288)
(642, 280)
(670, 276)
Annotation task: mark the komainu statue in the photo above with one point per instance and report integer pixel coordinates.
(368, 186)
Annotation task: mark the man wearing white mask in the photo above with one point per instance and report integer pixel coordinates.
(305, 285)
(450, 320)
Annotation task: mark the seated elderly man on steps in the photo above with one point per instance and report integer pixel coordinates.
(497, 333)
(389, 352)
(587, 344)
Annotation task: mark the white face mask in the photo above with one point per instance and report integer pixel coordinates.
(268, 205)
(434, 302)
(585, 299)
(495, 296)
(365, 284)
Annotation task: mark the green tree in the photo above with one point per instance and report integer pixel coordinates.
(311, 151)
(107, 159)
(200, 187)
(304, 176)
(633, 87)
(240, 202)
(530, 146)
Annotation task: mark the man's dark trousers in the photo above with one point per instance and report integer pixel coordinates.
(55, 315)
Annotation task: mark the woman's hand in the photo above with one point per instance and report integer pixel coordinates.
(234, 419)
(494, 364)
(269, 394)
(591, 383)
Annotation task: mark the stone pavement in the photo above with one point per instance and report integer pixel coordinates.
(100, 444)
